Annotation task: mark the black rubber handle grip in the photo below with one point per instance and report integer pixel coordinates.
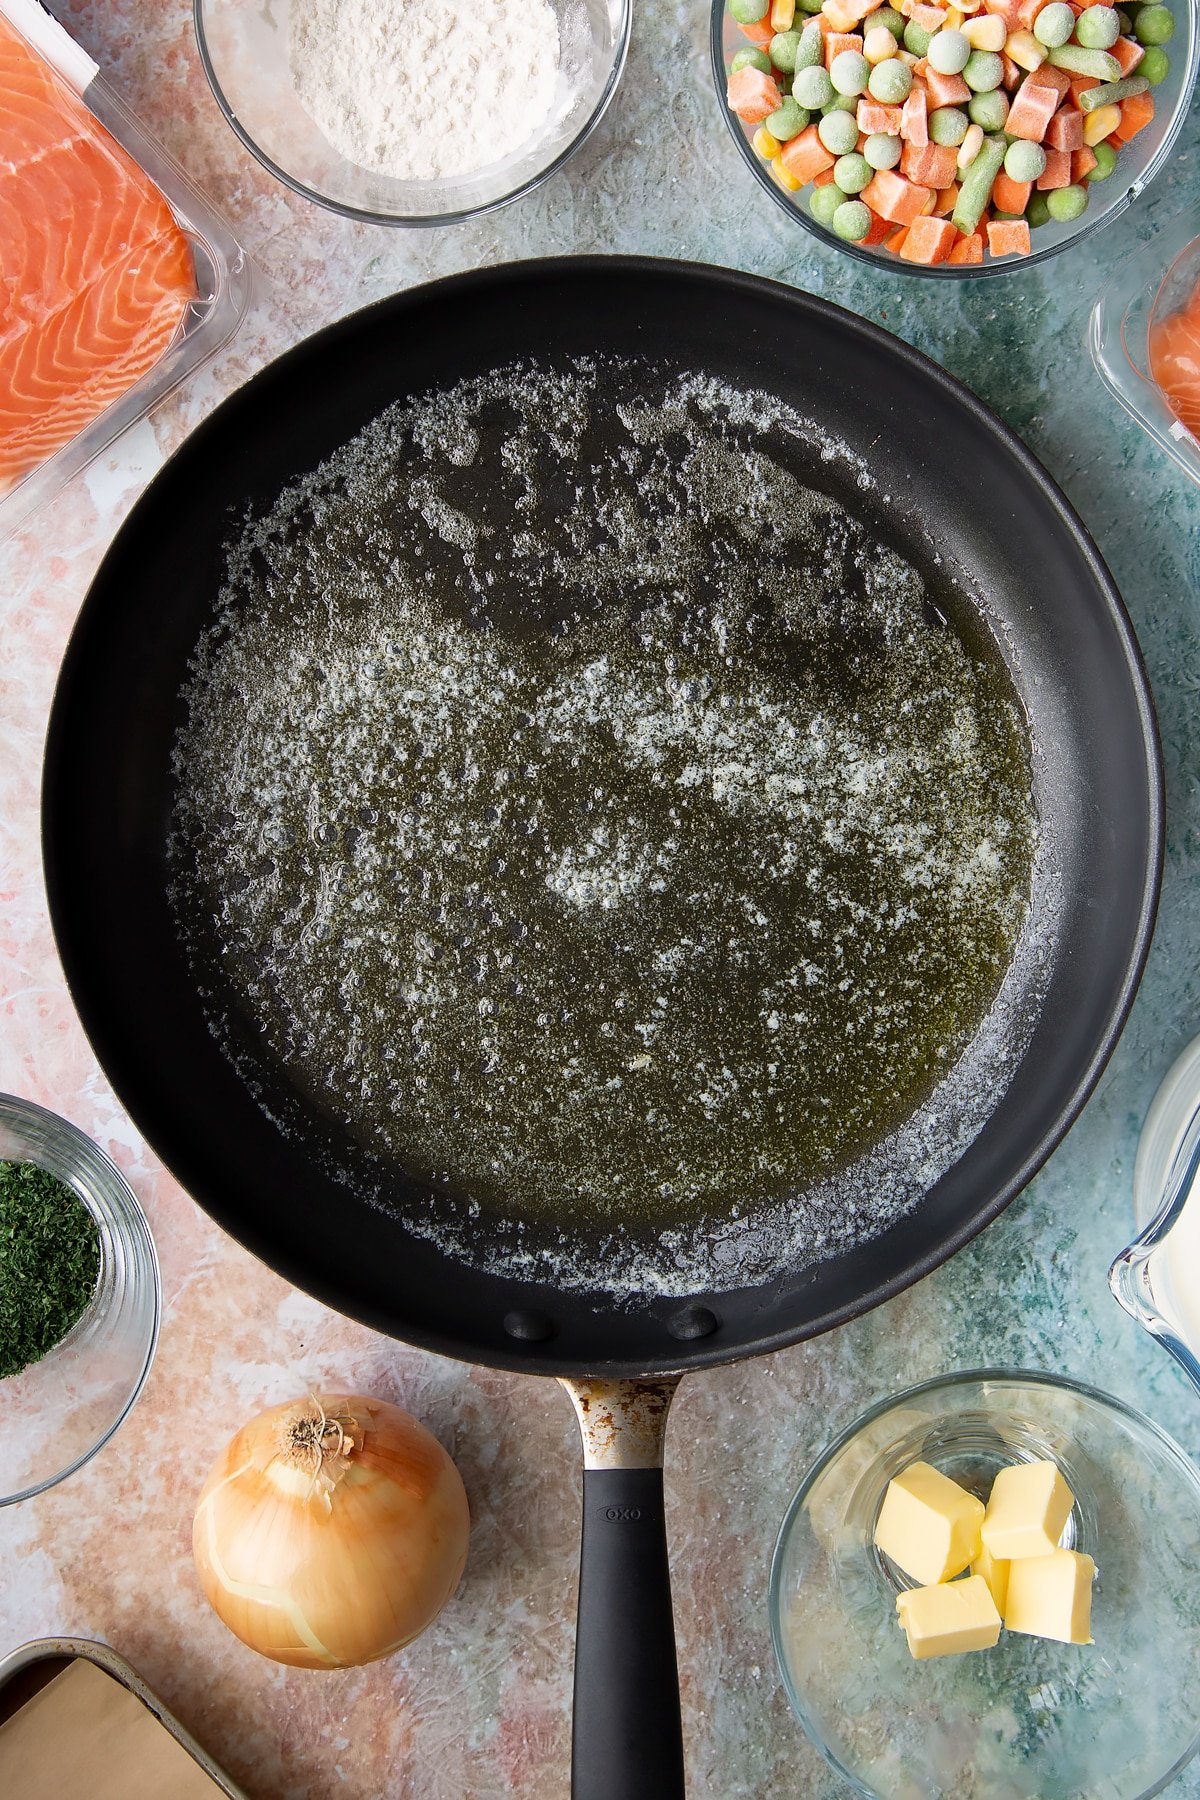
(628, 1737)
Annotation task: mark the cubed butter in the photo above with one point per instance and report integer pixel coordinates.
(995, 1573)
(946, 1619)
(1051, 1596)
(1026, 1511)
(928, 1525)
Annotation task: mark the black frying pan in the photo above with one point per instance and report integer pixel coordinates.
(947, 465)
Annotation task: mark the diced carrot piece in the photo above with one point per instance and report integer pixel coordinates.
(1136, 114)
(929, 240)
(896, 241)
(1065, 130)
(1008, 237)
(862, 138)
(837, 41)
(967, 249)
(892, 197)
(760, 34)
(933, 165)
(1032, 109)
(1028, 11)
(823, 24)
(914, 117)
(805, 156)
(945, 90)
(1009, 195)
(1080, 85)
(1050, 77)
(945, 201)
(1127, 53)
(1057, 172)
(872, 116)
(1009, 11)
(844, 15)
(1082, 163)
(1012, 74)
(929, 18)
(823, 178)
(753, 96)
(881, 230)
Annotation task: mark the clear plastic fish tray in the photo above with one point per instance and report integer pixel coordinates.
(1156, 279)
(224, 276)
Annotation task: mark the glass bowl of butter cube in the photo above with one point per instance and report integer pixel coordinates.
(988, 1588)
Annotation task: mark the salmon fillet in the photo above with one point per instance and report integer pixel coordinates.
(1175, 361)
(95, 273)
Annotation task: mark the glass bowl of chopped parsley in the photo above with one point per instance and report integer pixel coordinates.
(79, 1299)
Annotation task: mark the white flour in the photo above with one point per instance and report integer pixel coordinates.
(425, 89)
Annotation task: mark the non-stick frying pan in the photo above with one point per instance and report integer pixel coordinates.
(950, 468)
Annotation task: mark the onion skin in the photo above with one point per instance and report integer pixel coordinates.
(327, 1557)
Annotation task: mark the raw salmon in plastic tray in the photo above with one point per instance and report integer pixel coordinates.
(117, 278)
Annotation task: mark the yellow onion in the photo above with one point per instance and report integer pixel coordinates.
(331, 1531)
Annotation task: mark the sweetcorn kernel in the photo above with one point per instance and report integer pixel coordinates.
(1099, 124)
(767, 145)
(782, 176)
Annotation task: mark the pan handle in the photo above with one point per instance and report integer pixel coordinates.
(628, 1740)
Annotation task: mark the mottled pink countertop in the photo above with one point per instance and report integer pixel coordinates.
(480, 1705)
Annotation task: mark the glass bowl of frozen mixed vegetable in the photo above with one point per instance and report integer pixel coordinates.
(954, 140)
(79, 1299)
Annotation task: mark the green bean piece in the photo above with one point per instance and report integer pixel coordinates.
(1077, 61)
(750, 58)
(976, 189)
(947, 125)
(1155, 65)
(1106, 162)
(1111, 91)
(1154, 25)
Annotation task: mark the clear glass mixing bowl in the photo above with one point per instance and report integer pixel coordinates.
(244, 48)
(1112, 1720)
(58, 1412)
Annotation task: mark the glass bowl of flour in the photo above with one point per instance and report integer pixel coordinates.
(413, 112)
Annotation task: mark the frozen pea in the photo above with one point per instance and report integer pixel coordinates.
(948, 125)
(809, 6)
(783, 50)
(848, 72)
(1106, 162)
(997, 214)
(882, 150)
(788, 122)
(841, 103)
(1067, 203)
(887, 17)
(852, 172)
(1038, 210)
(949, 52)
(1154, 25)
(823, 202)
(749, 12)
(1022, 161)
(1155, 65)
(810, 51)
(838, 131)
(751, 59)
(852, 221)
(812, 88)
(983, 71)
(988, 111)
(890, 82)
(1054, 25)
(1097, 28)
(916, 39)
